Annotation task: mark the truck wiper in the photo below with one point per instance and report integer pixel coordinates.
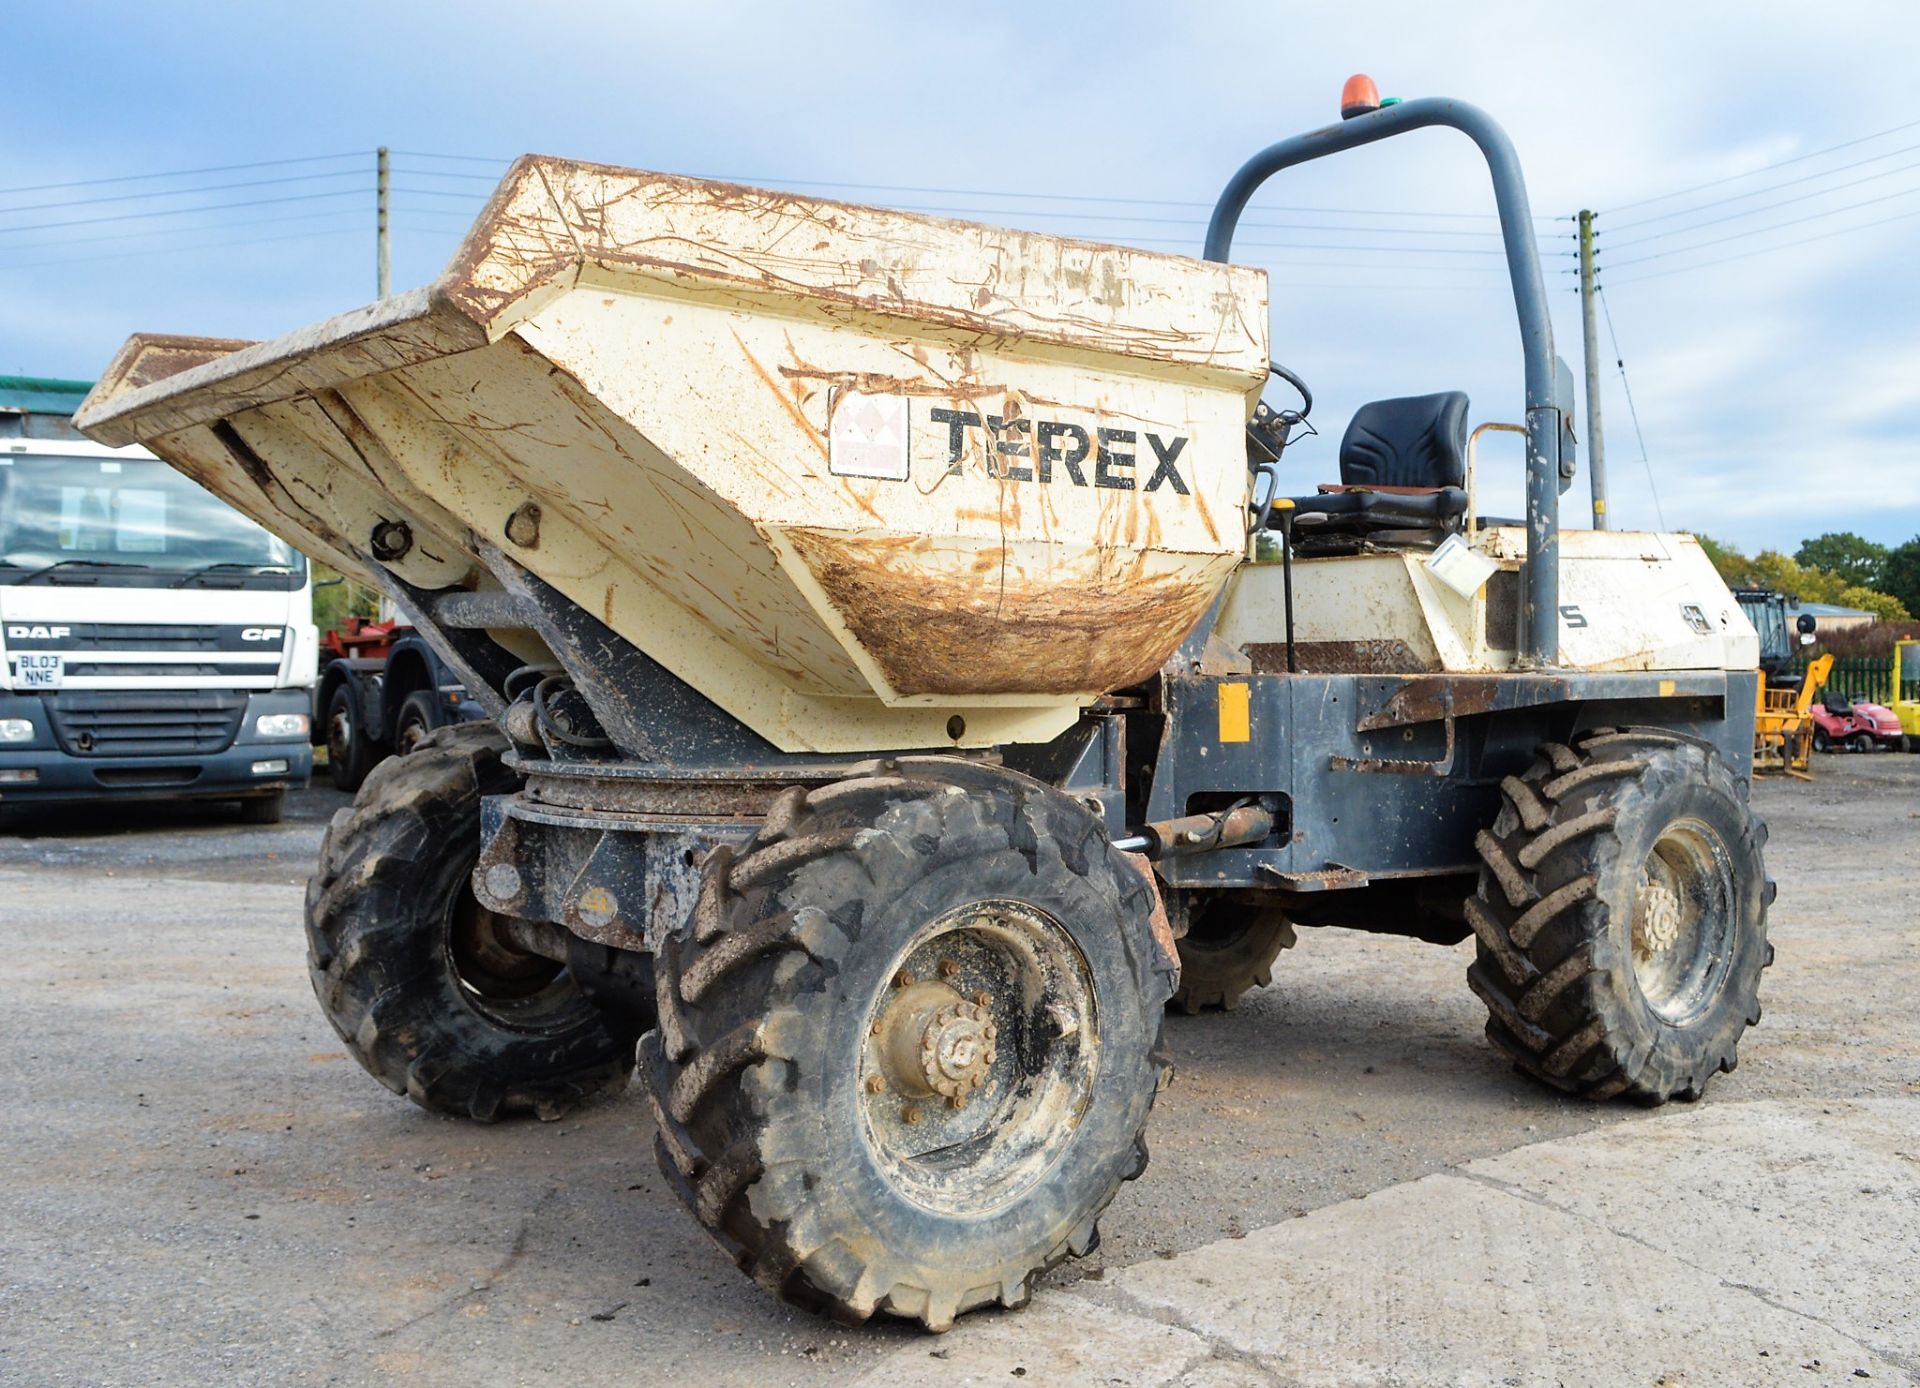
(229, 565)
(78, 564)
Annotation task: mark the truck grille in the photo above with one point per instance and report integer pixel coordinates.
(126, 636)
(145, 724)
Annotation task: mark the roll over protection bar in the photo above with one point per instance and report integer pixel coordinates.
(1540, 625)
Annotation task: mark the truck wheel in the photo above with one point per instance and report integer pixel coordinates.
(418, 717)
(1622, 916)
(1229, 949)
(909, 1039)
(414, 974)
(264, 809)
(350, 752)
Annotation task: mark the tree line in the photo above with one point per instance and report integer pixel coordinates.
(1838, 567)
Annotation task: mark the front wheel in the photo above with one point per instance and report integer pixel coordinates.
(351, 753)
(1622, 916)
(908, 1045)
(426, 988)
(1860, 742)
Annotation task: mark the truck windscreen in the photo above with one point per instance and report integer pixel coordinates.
(112, 515)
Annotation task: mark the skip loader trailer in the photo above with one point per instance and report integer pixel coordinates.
(889, 719)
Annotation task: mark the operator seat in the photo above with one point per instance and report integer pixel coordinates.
(1403, 465)
(1415, 441)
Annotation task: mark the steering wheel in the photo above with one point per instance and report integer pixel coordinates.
(1300, 388)
(1267, 435)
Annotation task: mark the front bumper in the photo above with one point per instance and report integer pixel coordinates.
(59, 775)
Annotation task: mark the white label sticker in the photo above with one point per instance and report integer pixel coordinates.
(868, 436)
(37, 670)
(1460, 568)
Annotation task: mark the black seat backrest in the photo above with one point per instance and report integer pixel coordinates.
(1414, 441)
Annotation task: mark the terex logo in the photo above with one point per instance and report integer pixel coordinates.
(34, 633)
(1110, 456)
(261, 633)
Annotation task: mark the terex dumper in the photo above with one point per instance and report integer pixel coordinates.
(883, 683)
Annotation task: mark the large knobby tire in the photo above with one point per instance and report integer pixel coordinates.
(1228, 950)
(1621, 916)
(351, 751)
(815, 977)
(409, 969)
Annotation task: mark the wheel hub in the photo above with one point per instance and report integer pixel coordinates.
(933, 1042)
(956, 1048)
(1656, 919)
(979, 1053)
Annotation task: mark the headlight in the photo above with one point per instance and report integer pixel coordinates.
(281, 725)
(16, 730)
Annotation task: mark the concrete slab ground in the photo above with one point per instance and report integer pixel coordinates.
(1349, 1186)
(1756, 1243)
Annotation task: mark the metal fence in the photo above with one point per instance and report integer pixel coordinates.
(1868, 677)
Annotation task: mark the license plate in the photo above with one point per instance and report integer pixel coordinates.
(38, 671)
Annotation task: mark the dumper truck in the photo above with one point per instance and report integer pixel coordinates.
(915, 653)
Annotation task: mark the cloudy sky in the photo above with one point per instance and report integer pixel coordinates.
(1756, 168)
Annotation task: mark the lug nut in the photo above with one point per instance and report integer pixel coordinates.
(903, 979)
(875, 1084)
(910, 1114)
(982, 999)
(948, 968)
(957, 1101)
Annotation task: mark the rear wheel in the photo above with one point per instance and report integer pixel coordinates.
(1228, 950)
(350, 751)
(1821, 742)
(425, 986)
(1622, 916)
(419, 715)
(908, 1043)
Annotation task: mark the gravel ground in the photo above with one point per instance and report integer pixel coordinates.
(196, 1184)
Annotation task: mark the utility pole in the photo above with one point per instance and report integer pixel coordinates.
(1596, 443)
(385, 272)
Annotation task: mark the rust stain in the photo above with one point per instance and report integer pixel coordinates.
(987, 628)
(813, 435)
(1364, 657)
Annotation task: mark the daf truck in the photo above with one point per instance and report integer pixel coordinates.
(156, 642)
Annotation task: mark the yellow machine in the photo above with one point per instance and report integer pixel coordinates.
(1783, 722)
(1905, 702)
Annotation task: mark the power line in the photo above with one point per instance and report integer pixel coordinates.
(1737, 197)
(183, 211)
(1768, 250)
(181, 173)
(1768, 207)
(180, 192)
(1632, 413)
(147, 233)
(1002, 193)
(1108, 218)
(195, 246)
(1760, 231)
(1769, 168)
